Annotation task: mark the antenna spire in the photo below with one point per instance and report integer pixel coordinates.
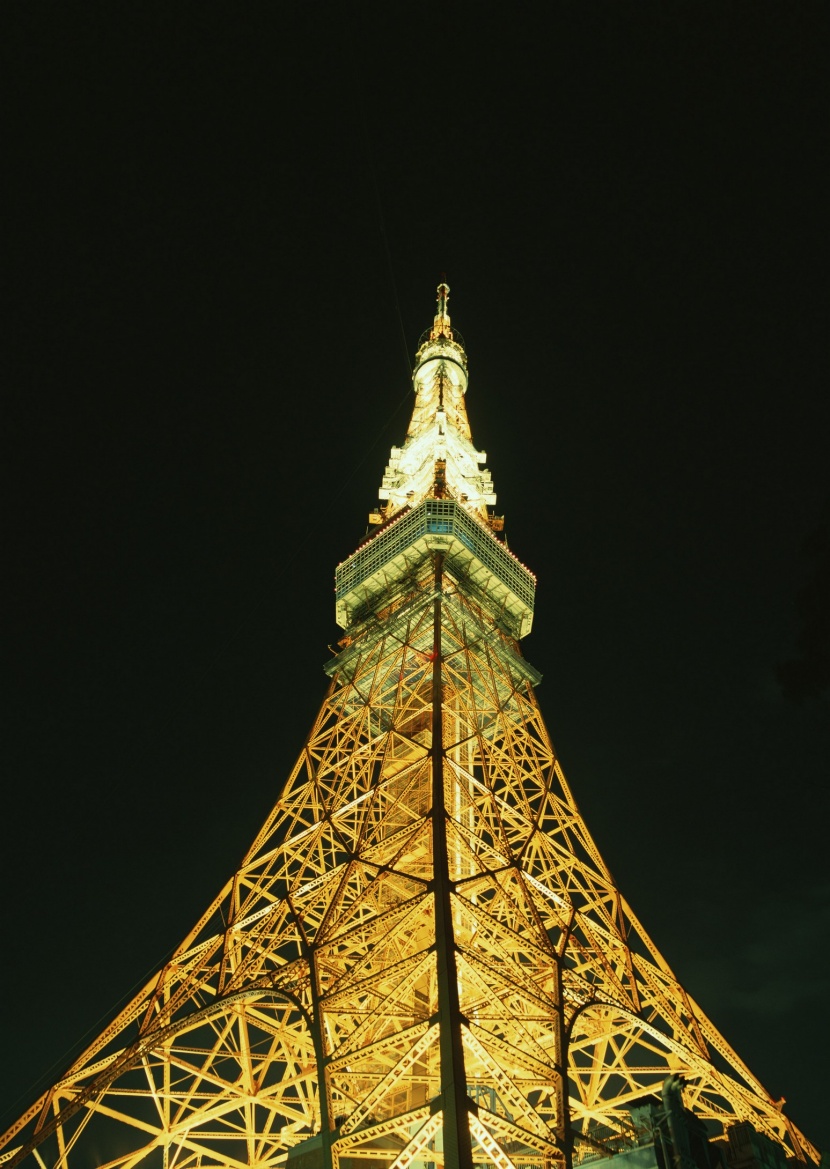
(441, 327)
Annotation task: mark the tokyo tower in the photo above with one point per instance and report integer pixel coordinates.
(423, 960)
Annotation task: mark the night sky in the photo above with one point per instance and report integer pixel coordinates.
(228, 223)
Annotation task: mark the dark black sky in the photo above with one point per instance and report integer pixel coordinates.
(205, 371)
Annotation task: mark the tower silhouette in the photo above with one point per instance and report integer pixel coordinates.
(423, 959)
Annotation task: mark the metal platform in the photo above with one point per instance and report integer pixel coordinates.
(437, 525)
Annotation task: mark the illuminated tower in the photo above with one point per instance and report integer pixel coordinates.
(423, 960)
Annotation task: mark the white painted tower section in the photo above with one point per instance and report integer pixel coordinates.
(439, 432)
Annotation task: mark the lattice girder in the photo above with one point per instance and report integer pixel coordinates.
(307, 1004)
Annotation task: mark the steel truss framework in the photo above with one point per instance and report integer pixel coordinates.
(423, 961)
(354, 998)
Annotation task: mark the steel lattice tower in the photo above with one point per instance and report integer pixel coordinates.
(423, 960)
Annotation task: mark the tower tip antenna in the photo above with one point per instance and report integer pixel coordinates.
(442, 316)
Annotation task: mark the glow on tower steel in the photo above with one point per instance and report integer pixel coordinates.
(439, 432)
(423, 961)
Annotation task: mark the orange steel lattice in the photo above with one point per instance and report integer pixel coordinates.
(423, 960)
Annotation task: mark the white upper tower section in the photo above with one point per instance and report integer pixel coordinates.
(438, 459)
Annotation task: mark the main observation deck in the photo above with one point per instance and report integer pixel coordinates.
(502, 584)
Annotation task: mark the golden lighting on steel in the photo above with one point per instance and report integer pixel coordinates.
(423, 960)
